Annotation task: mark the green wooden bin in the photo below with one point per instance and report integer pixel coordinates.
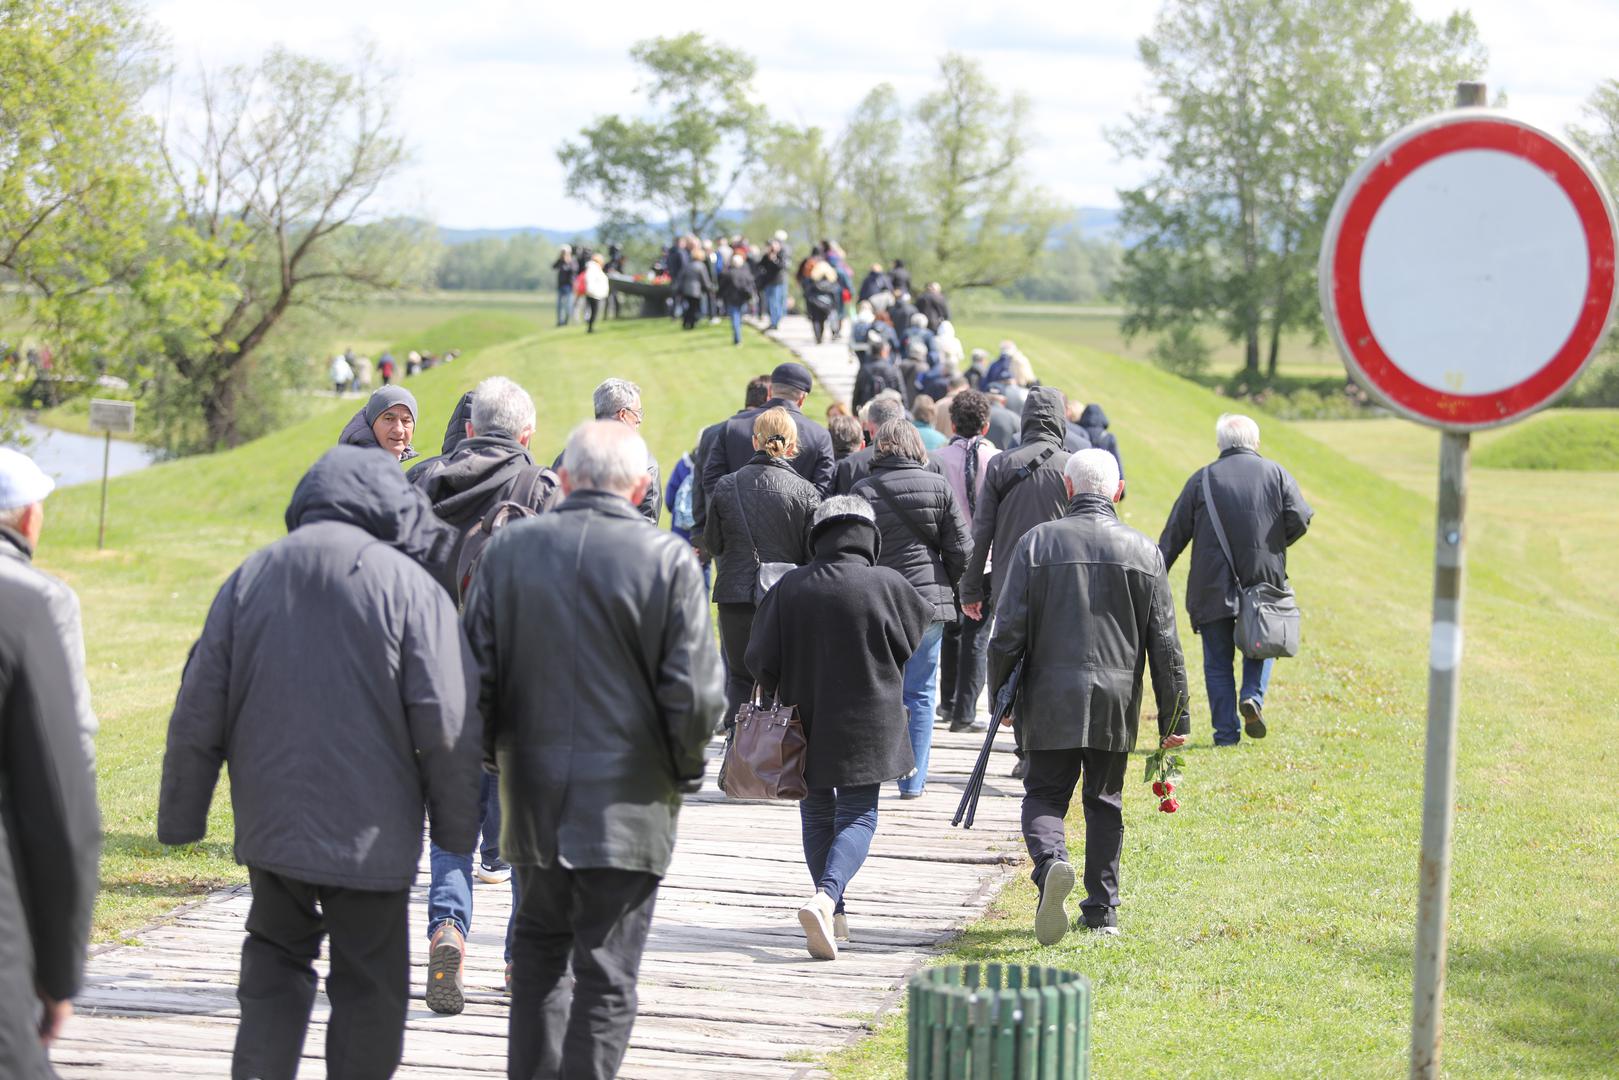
(999, 1022)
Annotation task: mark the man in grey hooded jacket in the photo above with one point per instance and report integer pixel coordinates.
(334, 681)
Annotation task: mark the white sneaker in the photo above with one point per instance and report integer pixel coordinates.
(840, 927)
(816, 919)
(1050, 920)
(492, 874)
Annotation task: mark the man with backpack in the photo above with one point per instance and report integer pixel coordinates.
(878, 372)
(487, 480)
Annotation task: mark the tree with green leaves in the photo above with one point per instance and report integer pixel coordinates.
(1258, 111)
(277, 179)
(880, 216)
(1598, 136)
(797, 180)
(984, 224)
(687, 160)
(103, 270)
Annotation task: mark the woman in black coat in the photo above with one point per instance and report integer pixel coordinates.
(832, 638)
(924, 538)
(758, 514)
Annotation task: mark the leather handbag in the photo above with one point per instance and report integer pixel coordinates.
(764, 756)
(1267, 615)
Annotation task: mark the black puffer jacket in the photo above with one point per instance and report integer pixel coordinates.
(934, 561)
(598, 719)
(833, 637)
(1085, 601)
(769, 501)
(1263, 513)
(334, 681)
(1011, 507)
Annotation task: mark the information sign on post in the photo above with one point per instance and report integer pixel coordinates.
(109, 416)
(1467, 275)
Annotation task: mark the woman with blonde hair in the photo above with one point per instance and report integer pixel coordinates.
(757, 527)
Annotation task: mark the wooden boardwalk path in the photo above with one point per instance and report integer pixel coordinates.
(727, 989)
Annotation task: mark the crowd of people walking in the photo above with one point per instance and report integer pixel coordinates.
(512, 651)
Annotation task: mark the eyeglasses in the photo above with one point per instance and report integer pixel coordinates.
(636, 413)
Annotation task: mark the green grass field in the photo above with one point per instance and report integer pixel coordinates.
(1268, 925)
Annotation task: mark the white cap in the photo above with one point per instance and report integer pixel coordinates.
(21, 481)
(781, 234)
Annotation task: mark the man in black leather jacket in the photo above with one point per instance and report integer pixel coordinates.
(597, 721)
(1084, 602)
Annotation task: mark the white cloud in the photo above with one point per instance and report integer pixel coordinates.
(489, 89)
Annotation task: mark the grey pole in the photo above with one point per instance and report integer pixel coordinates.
(1439, 772)
(106, 468)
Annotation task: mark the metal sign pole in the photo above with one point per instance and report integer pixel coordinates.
(1439, 771)
(106, 470)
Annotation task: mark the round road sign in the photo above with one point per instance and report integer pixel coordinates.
(1467, 272)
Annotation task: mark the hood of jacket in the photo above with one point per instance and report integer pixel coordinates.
(356, 487)
(846, 538)
(455, 432)
(1044, 416)
(1093, 417)
(465, 482)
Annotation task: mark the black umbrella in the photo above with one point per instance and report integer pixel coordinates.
(975, 782)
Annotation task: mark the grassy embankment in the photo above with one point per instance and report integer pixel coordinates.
(178, 529)
(1267, 927)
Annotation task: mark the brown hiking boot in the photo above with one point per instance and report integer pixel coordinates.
(446, 966)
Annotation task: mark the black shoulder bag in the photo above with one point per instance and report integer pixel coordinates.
(1267, 615)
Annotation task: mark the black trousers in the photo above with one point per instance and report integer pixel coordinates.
(690, 312)
(1048, 789)
(736, 625)
(597, 922)
(369, 983)
(964, 666)
(593, 307)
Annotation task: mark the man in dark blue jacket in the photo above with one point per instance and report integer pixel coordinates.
(334, 681)
(789, 385)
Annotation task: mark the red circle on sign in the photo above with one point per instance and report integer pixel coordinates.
(1354, 222)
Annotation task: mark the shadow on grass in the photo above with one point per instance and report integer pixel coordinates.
(142, 846)
(1551, 1008)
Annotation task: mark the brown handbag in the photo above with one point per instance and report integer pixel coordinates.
(764, 757)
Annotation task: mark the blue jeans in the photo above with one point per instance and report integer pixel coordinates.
(449, 890)
(737, 311)
(776, 302)
(921, 698)
(564, 305)
(838, 826)
(1219, 651)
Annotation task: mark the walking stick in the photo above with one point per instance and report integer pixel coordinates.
(975, 781)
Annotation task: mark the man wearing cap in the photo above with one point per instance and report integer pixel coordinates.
(48, 884)
(789, 385)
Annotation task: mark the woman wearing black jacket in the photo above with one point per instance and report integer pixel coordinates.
(758, 514)
(832, 639)
(925, 538)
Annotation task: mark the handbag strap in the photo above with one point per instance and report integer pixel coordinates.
(742, 514)
(1028, 469)
(1219, 530)
(905, 516)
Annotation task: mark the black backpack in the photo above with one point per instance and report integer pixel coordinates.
(533, 494)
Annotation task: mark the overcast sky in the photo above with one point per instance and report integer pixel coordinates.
(492, 86)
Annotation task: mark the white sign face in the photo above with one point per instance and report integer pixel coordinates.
(1474, 272)
(1468, 269)
(115, 416)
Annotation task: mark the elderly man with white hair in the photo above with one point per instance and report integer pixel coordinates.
(1085, 605)
(48, 883)
(1262, 512)
(597, 723)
